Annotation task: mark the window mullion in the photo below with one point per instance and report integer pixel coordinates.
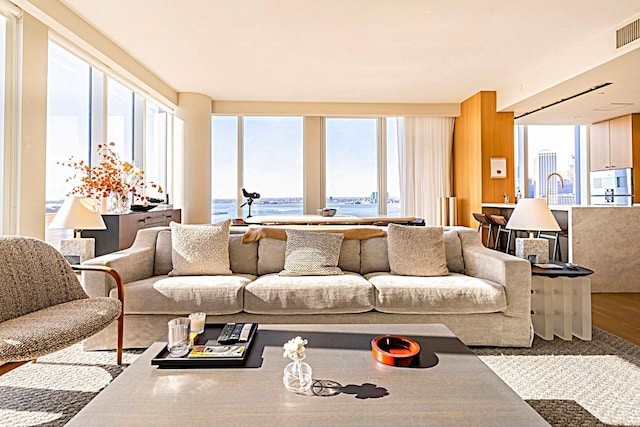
(382, 166)
(240, 171)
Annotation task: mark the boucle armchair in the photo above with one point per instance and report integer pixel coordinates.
(43, 307)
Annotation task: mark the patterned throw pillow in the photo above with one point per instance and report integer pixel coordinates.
(416, 251)
(200, 249)
(309, 253)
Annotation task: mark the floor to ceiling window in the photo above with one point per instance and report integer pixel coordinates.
(3, 67)
(547, 150)
(224, 173)
(68, 127)
(352, 165)
(77, 123)
(9, 18)
(265, 155)
(272, 164)
(120, 118)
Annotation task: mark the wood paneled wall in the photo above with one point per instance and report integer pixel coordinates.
(480, 134)
(635, 141)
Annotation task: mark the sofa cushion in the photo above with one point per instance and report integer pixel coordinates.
(243, 257)
(311, 254)
(453, 251)
(374, 254)
(274, 294)
(200, 249)
(182, 295)
(416, 251)
(162, 261)
(452, 294)
(271, 254)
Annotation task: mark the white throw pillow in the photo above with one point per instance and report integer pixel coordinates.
(309, 253)
(200, 249)
(416, 251)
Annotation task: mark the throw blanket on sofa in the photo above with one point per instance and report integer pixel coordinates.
(254, 234)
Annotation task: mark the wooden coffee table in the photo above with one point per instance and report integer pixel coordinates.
(450, 387)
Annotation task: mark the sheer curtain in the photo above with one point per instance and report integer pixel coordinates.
(424, 154)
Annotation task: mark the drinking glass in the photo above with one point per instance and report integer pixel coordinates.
(178, 336)
(197, 322)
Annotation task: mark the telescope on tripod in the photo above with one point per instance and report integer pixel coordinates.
(250, 198)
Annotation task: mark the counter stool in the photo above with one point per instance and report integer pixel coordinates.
(501, 222)
(485, 222)
(555, 237)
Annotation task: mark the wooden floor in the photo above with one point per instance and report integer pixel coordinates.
(617, 313)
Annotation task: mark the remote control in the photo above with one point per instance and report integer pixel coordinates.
(225, 335)
(235, 335)
(246, 331)
(230, 333)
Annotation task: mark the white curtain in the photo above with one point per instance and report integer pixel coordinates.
(424, 156)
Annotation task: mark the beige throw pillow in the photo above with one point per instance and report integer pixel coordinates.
(200, 249)
(416, 251)
(309, 253)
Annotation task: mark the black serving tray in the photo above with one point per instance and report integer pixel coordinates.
(211, 331)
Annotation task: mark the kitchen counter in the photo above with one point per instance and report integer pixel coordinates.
(605, 239)
(565, 208)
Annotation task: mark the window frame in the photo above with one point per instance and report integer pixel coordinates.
(318, 193)
(580, 145)
(9, 143)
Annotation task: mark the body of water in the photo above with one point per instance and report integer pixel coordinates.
(222, 211)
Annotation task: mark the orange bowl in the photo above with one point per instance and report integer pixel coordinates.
(395, 350)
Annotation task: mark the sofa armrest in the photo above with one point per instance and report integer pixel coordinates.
(132, 264)
(511, 272)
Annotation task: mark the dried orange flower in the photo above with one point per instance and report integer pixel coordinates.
(111, 175)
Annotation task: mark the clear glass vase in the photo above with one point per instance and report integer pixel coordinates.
(297, 376)
(119, 202)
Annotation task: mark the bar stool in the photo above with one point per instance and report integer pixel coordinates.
(485, 222)
(555, 237)
(501, 222)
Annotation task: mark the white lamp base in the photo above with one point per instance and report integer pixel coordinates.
(84, 248)
(537, 247)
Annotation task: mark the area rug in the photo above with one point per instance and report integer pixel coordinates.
(569, 383)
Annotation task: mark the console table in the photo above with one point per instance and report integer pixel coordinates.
(561, 302)
(122, 228)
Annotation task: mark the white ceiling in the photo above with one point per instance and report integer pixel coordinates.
(402, 51)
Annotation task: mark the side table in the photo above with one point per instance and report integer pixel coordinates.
(561, 302)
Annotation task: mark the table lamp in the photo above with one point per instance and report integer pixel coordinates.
(532, 215)
(78, 213)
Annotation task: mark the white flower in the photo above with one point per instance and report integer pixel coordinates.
(294, 348)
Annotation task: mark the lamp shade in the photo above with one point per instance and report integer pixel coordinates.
(78, 213)
(532, 215)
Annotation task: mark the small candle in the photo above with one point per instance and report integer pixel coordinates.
(197, 322)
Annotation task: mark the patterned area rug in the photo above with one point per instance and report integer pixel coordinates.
(577, 383)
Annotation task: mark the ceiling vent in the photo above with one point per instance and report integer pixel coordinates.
(628, 34)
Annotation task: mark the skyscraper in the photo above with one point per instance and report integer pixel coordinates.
(546, 164)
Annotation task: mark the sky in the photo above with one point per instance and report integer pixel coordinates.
(273, 157)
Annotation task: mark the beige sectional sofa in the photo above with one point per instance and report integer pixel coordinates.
(485, 299)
